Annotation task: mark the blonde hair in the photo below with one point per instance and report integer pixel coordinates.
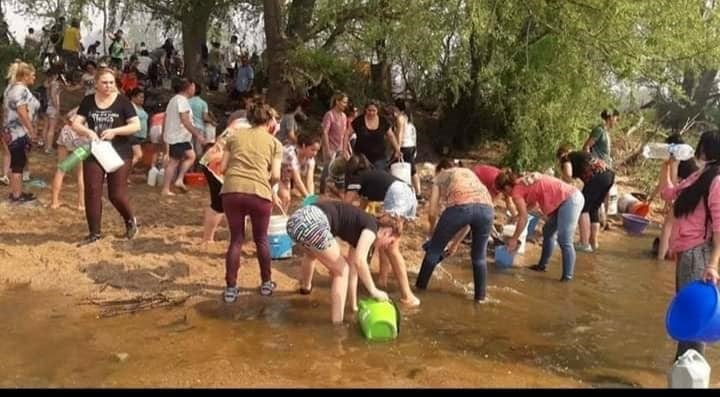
(18, 71)
(103, 71)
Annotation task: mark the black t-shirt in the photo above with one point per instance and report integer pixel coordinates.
(347, 221)
(371, 184)
(117, 115)
(371, 143)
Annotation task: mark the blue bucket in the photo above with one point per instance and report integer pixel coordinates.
(503, 258)
(694, 314)
(280, 246)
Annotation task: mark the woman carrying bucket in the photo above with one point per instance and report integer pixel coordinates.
(560, 202)
(298, 169)
(250, 166)
(696, 230)
(468, 206)
(317, 228)
(110, 117)
(399, 202)
(67, 142)
(597, 180)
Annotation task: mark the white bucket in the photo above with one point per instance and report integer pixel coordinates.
(152, 177)
(402, 171)
(106, 155)
(509, 231)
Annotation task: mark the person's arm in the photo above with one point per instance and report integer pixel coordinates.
(347, 150)
(394, 142)
(360, 254)
(587, 147)
(25, 120)
(457, 240)
(209, 118)
(402, 123)
(661, 181)
(310, 179)
(131, 128)
(187, 123)
(521, 223)
(566, 172)
(510, 206)
(225, 161)
(299, 183)
(326, 137)
(669, 191)
(78, 125)
(276, 164)
(434, 208)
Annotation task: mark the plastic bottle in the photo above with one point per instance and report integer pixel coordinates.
(73, 159)
(690, 371)
(152, 177)
(664, 151)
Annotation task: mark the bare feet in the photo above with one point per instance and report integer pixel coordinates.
(413, 301)
(54, 205)
(182, 187)
(166, 193)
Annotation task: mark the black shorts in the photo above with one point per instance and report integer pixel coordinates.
(595, 191)
(409, 154)
(18, 154)
(215, 187)
(136, 141)
(177, 150)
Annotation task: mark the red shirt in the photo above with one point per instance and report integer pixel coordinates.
(546, 191)
(487, 175)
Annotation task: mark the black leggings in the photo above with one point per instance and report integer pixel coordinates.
(18, 154)
(215, 187)
(94, 175)
(595, 191)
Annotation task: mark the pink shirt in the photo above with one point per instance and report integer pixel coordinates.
(487, 175)
(690, 231)
(547, 191)
(335, 124)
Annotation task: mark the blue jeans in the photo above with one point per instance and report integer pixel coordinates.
(480, 219)
(562, 223)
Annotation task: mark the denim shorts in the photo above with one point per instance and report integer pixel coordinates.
(400, 200)
(310, 227)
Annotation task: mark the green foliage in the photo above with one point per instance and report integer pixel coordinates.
(8, 54)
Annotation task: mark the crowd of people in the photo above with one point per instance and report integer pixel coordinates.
(264, 160)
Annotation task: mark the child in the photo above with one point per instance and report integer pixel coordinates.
(67, 142)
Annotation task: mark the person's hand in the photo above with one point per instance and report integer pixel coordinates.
(711, 275)
(512, 245)
(93, 136)
(380, 295)
(397, 155)
(451, 250)
(200, 140)
(107, 135)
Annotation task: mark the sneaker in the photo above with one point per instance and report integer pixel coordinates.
(267, 288)
(91, 238)
(23, 198)
(566, 279)
(131, 228)
(584, 248)
(538, 268)
(231, 294)
(4, 180)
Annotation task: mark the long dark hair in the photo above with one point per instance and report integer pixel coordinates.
(689, 198)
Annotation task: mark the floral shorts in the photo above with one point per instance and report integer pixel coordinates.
(69, 139)
(310, 227)
(400, 200)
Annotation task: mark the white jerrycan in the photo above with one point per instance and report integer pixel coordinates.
(690, 371)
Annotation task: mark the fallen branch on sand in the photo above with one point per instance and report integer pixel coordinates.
(112, 308)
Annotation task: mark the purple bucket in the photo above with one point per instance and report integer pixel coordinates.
(634, 224)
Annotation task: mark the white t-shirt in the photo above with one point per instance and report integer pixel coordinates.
(233, 52)
(175, 131)
(144, 64)
(410, 136)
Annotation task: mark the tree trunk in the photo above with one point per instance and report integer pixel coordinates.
(381, 74)
(195, 20)
(105, 21)
(278, 50)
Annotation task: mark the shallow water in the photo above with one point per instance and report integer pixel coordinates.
(604, 329)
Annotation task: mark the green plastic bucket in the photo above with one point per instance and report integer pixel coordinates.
(379, 320)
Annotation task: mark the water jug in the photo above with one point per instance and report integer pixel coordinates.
(161, 177)
(379, 320)
(690, 371)
(106, 155)
(402, 171)
(152, 177)
(613, 201)
(73, 159)
(664, 151)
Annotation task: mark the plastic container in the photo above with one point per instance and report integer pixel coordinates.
(533, 221)
(73, 159)
(280, 242)
(379, 320)
(210, 132)
(690, 371)
(626, 203)
(105, 154)
(152, 177)
(402, 170)
(664, 151)
(161, 177)
(634, 224)
(694, 315)
(196, 179)
(640, 208)
(503, 258)
(613, 202)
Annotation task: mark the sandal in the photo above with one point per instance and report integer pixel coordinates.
(538, 268)
(231, 294)
(267, 288)
(304, 291)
